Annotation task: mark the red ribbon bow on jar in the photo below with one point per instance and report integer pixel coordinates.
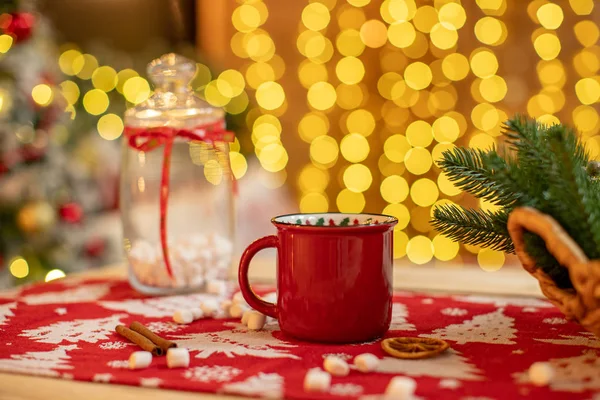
(148, 139)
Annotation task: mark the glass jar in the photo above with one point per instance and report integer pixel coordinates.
(176, 193)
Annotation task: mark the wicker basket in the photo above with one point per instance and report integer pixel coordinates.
(582, 303)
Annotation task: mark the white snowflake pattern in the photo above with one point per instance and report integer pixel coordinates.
(102, 378)
(454, 312)
(160, 326)
(343, 356)
(529, 309)
(150, 382)
(87, 330)
(60, 310)
(79, 294)
(505, 301)
(113, 345)
(212, 373)
(238, 341)
(399, 316)
(266, 385)
(118, 364)
(67, 376)
(518, 351)
(346, 389)
(5, 312)
(39, 362)
(158, 307)
(449, 384)
(427, 301)
(554, 321)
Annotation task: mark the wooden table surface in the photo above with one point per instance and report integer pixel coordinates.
(512, 281)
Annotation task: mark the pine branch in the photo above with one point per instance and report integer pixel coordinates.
(475, 227)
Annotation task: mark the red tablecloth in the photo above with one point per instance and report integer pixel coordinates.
(65, 329)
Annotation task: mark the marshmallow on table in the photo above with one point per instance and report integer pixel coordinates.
(237, 310)
(216, 287)
(197, 313)
(317, 380)
(541, 373)
(225, 306)
(140, 359)
(178, 357)
(183, 316)
(238, 298)
(256, 320)
(245, 316)
(209, 307)
(336, 366)
(401, 388)
(366, 362)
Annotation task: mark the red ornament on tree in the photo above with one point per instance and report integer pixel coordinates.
(95, 247)
(18, 25)
(71, 213)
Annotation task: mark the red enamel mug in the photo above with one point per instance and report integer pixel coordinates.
(334, 276)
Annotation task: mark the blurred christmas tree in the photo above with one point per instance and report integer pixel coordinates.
(48, 189)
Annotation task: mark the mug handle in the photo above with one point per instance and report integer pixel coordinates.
(251, 298)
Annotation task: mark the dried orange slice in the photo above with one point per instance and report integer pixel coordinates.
(413, 348)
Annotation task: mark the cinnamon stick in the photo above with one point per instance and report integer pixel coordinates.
(163, 343)
(140, 340)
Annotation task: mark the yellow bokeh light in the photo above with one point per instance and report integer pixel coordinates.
(324, 150)
(321, 96)
(398, 10)
(357, 178)
(587, 33)
(361, 121)
(396, 147)
(443, 37)
(273, 157)
(388, 167)
(455, 66)
(485, 116)
(85, 66)
(373, 33)
(259, 46)
(452, 15)
(493, 89)
(6, 42)
(54, 274)
(445, 129)
(425, 18)
(401, 34)
(351, 18)
(348, 43)
(238, 104)
(547, 46)
(315, 16)
(446, 186)
(246, 18)
(231, 83)
(350, 202)
(313, 179)
(311, 73)
(124, 75)
(354, 147)
(42, 94)
(213, 96)
(105, 78)
(400, 242)
(419, 250)
(66, 60)
(394, 189)
(587, 62)
(239, 165)
(349, 96)
(110, 126)
(550, 15)
(418, 160)
(490, 31)
(482, 141)
(136, 90)
(70, 91)
(490, 260)
(585, 118)
(484, 63)
(419, 134)
(582, 7)
(445, 249)
(313, 125)
(588, 90)
(418, 48)
(399, 211)
(95, 101)
(418, 75)
(19, 268)
(424, 192)
(314, 203)
(350, 70)
(270, 95)
(386, 82)
(359, 3)
(551, 72)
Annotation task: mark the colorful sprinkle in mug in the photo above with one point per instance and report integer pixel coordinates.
(334, 276)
